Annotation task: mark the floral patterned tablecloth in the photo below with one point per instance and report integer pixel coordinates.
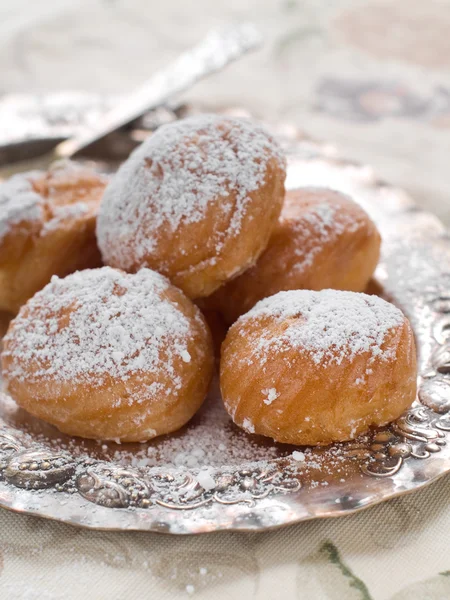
(372, 76)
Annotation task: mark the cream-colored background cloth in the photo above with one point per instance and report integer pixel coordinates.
(372, 76)
(398, 550)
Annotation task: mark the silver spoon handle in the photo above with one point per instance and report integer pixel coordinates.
(212, 54)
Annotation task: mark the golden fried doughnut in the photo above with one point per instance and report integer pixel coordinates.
(323, 240)
(307, 367)
(47, 227)
(197, 202)
(107, 355)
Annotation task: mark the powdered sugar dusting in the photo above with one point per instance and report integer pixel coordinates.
(173, 177)
(330, 325)
(298, 456)
(209, 441)
(98, 323)
(322, 224)
(22, 201)
(206, 479)
(270, 394)
(62, 213)
(19, 202)
(210, 444)
(248, 426)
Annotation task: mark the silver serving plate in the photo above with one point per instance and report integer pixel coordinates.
(83, 483)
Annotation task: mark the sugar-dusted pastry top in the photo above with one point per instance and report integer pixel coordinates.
(316, 218)
(330, 325)
(99, 324)
(42, 201)
(19, 202)
(175, 176)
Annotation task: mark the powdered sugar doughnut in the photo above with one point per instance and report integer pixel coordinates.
(197, 202)
(323, 240)
(47, 227)
(307, 367)
(107, 355)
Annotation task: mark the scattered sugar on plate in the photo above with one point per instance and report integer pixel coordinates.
(298, 456)
(248, 426)
(209, 443)
(206, 480)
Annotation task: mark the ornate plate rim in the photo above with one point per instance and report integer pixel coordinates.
(233, 528)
